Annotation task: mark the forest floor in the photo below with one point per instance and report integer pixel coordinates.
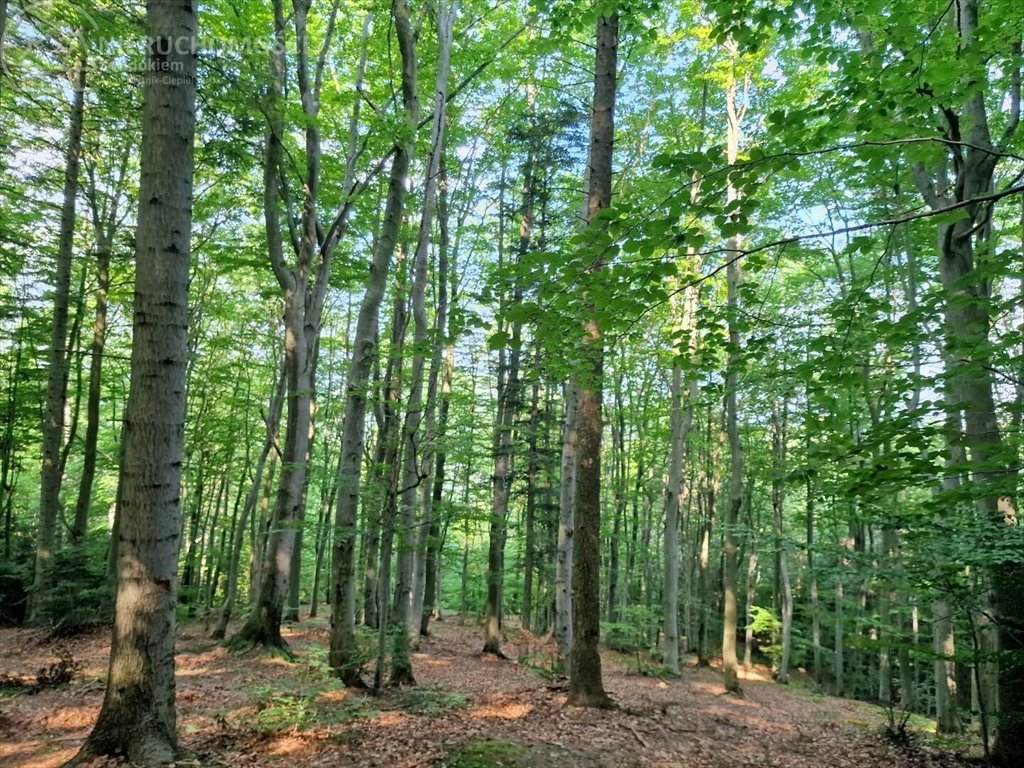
(467, 711)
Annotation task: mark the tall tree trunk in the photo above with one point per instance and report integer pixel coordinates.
(344, 655)
(56, 388)
(92, 409)
(566, 526)
(585, 685)
(7, 471)
(733, 277)
(675, 491)
(530, 513)
(273, 421)
(442, 402)
(779, 417)
(391, 474)
(502, 449)
(137, 718)
(966, 283)
(446, 12)
(434, 541)
(304, 288)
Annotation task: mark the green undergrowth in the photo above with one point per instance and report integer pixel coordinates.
(427, 700)
(491, 753)
(306, 711)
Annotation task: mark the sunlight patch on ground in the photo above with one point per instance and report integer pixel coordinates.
(275, 661)
(72, 717)
(389, 719)
(193, 672)
(509, 711)
(427, 661)
(335, 696)
(37, 754)
(283, 746)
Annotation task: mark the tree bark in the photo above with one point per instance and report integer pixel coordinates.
(779, 418)
(56, 388)
(137, 718)
(344, 656)
(731, 541)
(966, 283)
(273, 422)
(585, 684)
(106, 221)
(566, 527)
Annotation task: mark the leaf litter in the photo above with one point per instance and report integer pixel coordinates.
(467, 711)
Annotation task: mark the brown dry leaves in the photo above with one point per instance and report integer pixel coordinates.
(250, 711)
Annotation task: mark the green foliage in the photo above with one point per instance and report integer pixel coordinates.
(82, 592)
(632, 636)
(306, 710)
(491, 753)
(15, 579)
(59, 673)
(767, 629)
(428, 700)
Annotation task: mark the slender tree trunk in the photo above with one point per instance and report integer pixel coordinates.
(328, 499)
(137, 718)
(344, 656)
(502, 450)
(7, 471)
(56, 388)
(779, 417)
(566, 525)
(530, 513)
(303, 286)
(446, 12)
(391, 478)
(262, 523)
(445, 367)
(432, 577)
(731, 545)
(585, 684)
(273, 421)
(92, 409)
(966, 283)
(675, 491)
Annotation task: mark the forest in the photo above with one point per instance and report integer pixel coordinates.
(467, 383)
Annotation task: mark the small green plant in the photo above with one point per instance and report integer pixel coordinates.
(283, 712)
(492, 753)
(897, 719)
(429, 700)
(304, 709)
(766, 630)
(630, 636)
(61, 672)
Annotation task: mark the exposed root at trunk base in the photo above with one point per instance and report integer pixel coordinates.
(250, 638)
(590, 699)
(145, 750)
(401, 676)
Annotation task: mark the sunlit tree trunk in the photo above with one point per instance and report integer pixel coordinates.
(675, 491)
(564, 553)
(273, 420)
(56, 387)
(731, 544)
(779, 417)
(585, 684)
(137, 718)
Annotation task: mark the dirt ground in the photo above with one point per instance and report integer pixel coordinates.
(467, 711)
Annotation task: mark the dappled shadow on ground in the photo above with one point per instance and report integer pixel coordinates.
(255, 711)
